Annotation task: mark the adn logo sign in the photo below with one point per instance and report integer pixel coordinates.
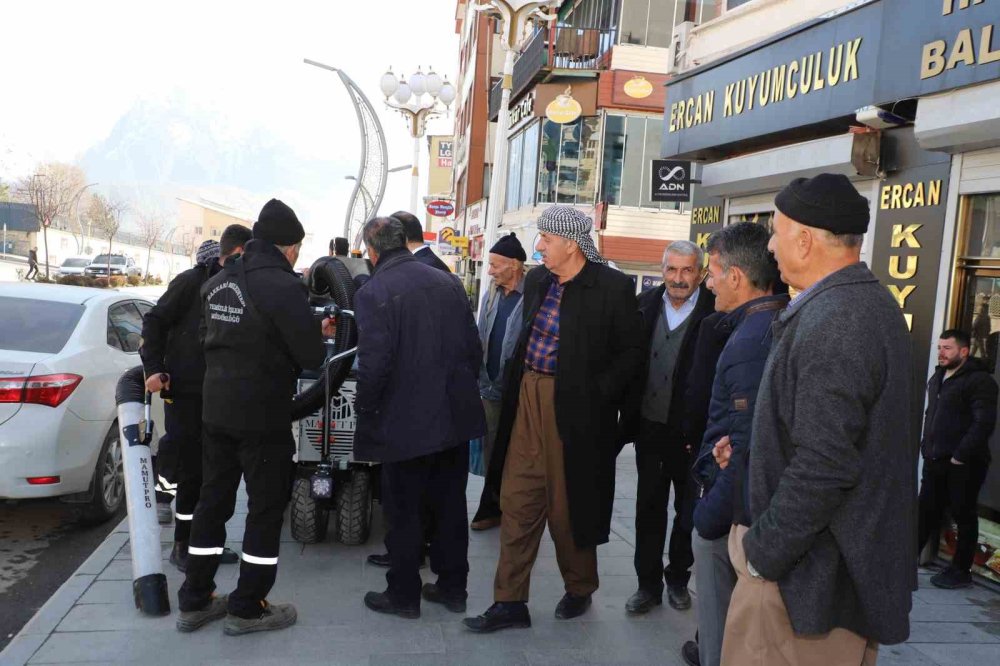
(671, 180)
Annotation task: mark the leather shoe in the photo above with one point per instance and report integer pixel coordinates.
(380, 602)
(455, 602)
(485, 524)
(642, 602)
(505, 615)
(571, 606)
(690, 654)
(678, 597)
(952, 579)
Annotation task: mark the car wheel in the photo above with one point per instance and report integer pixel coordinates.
(109, 480)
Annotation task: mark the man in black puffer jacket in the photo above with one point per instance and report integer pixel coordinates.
(961, 415)
(174, 365)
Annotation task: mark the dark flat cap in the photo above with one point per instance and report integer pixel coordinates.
(828, 201)
(278, 224)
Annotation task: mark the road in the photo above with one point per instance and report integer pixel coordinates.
(42, 542)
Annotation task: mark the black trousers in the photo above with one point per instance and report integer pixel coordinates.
(955, 488)
(438, 482)
(264, 460)
(183, 417)
(662, 462)
(32, 271)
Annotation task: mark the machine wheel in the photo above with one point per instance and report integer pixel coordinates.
(354, 508)
(309, 517)
(109, 481)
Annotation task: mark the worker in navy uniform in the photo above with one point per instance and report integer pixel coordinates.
(259, 334)
(175, 367)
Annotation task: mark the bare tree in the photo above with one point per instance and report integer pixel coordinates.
(105, 214)
(53, 190)
(152, 224)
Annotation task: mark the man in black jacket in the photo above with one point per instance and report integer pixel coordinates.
(654, 420)
(554, 454)
(259, 334)
(961, 415)
(174, 364)
(415, 241)
(418, 406)
(32, 264)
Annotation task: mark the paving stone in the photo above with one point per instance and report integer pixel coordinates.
(957, 654)
(954, 632)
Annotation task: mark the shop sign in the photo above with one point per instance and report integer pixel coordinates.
(445, 155)
(909, 213)
(440, 208)
(651, 282)
(671, 180)
(564, 109)
(638, 87)
(706, 218)
(460, 241)
(523, 109)
(445, 235)
(876, 53)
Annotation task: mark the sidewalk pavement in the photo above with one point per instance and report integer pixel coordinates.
(92, 619)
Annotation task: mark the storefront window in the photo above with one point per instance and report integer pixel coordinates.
(568, 161)
(984, 226)
(652, 22)
(521, 168)
(631, 143)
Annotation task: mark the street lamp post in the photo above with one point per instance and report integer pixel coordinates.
(514, 17)
(407, 97)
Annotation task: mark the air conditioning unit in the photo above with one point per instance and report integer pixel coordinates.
(679, 47)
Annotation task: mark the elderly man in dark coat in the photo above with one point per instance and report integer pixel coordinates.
(418, 406)
(824, 541)
(579, 348)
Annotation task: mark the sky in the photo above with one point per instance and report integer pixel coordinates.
(72, 69)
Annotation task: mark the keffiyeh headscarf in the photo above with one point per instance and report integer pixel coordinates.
(573, 224)
(207, 252)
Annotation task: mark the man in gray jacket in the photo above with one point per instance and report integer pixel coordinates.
(826, 568)
(499, 329)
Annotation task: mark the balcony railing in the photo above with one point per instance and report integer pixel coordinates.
(558, 47)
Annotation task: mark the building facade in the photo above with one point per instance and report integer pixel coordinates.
(900, 96)
(201, 220)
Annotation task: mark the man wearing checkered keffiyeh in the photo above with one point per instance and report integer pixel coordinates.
(581, 351)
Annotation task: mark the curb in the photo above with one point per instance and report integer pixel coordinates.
(38, 629)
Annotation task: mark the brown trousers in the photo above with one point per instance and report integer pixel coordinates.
(759, 632)
(533, 490)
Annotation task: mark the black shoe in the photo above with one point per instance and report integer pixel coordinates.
(643, 601)
(571, 606)
(382, 560)
(690, 654)
(952, 579)
(453, 602)
(678, 597)
(506, 615)
(380, 602)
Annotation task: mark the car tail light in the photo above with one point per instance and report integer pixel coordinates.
(48, 390)
(42, 480)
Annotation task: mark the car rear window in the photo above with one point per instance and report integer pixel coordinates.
(31, 325)
(76, 263)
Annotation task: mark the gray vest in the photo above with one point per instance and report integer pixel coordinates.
(664, 348)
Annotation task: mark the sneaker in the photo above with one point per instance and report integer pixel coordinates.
(380, 602)
(274, 617)
(189, 621)
(503, 615)
(164, 514)
(453, 602)
(952, 579)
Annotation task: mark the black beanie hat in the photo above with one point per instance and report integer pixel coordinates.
(278, 225)
(828, 201)
(509, 246)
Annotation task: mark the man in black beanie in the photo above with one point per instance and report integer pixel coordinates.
(825, 497)
(499, 327)
(258, 334)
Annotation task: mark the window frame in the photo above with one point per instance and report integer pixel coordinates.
(113, 330)
(645, 182)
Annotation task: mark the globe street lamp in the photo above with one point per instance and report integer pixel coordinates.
(514, 17)
(418, 99)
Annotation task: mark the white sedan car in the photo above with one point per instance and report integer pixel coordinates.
(62, 351)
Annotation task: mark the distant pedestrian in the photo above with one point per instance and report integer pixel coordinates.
(961, 415)
(418, 406)
(823, 541)
(499, 330)
(554, 457)
(339, 247)
(741, 274)
(32, 264)
(654, 419)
